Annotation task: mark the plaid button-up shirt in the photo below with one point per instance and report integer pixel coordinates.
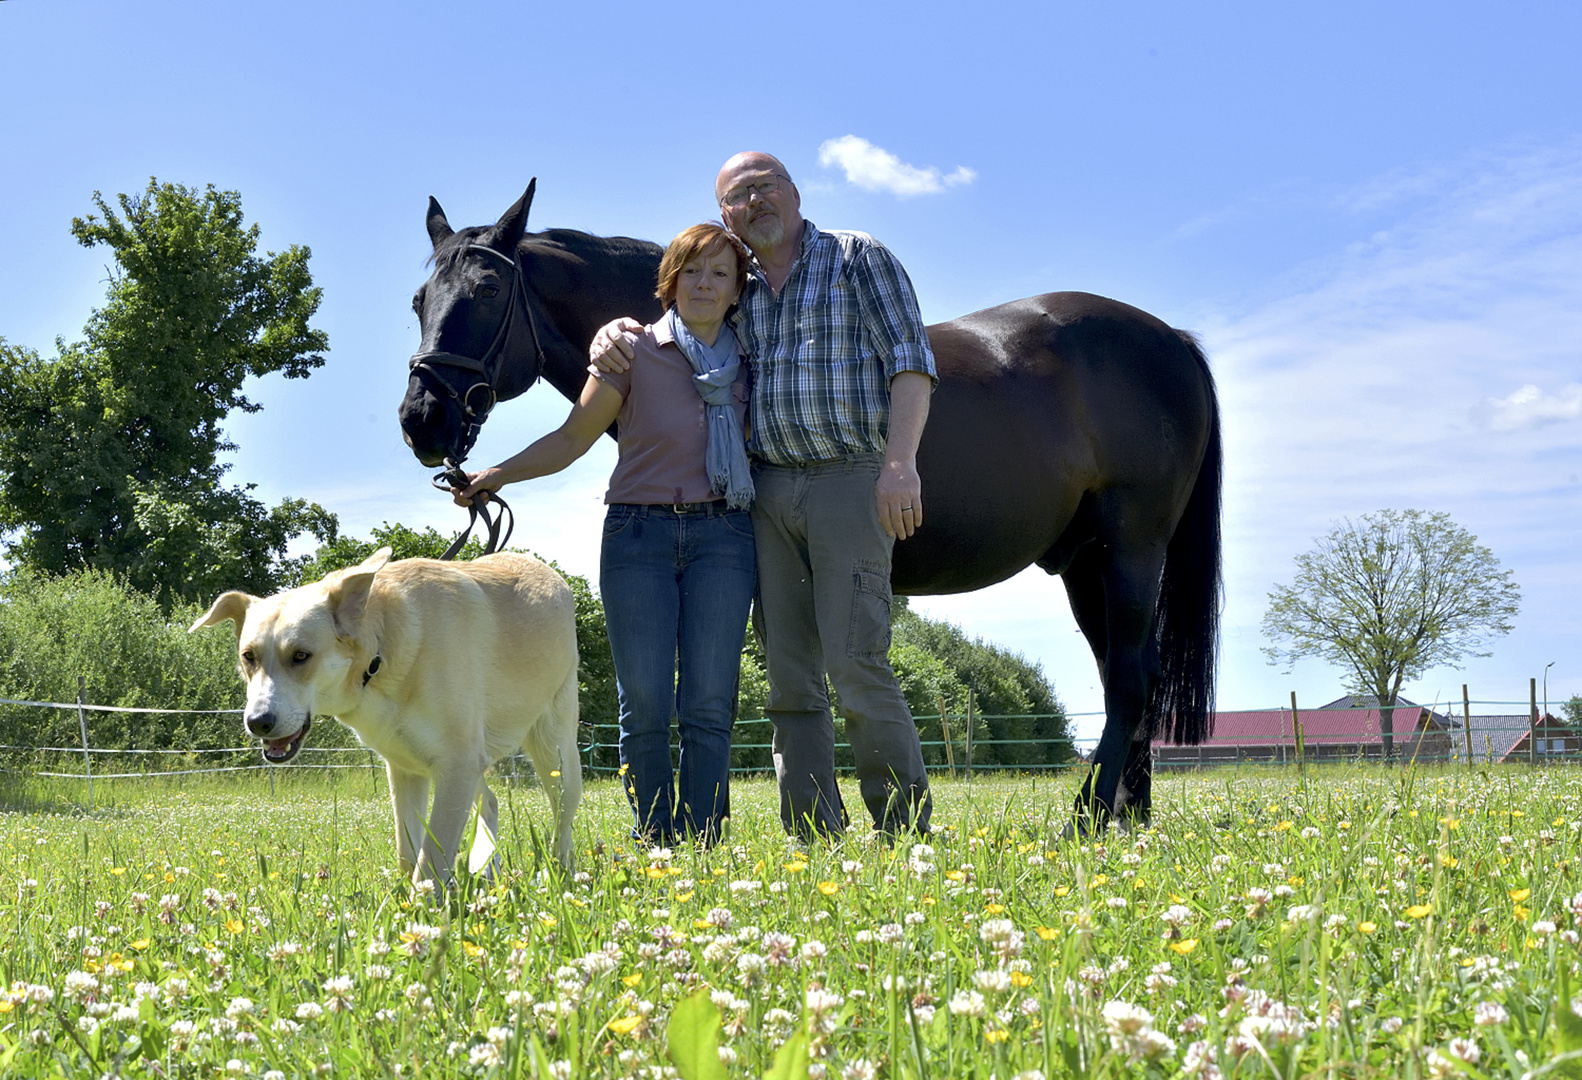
(824, 351)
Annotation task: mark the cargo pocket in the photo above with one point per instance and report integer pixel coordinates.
(870, 612)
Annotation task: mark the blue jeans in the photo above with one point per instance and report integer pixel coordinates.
(676, 585)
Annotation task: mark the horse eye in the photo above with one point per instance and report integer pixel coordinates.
(489, 290)
(248, 658)
(300, 657)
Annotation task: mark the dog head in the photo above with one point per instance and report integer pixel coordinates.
(297, 651)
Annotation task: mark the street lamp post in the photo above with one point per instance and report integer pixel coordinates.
(1547, 666)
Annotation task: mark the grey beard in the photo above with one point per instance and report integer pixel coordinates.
(765, 234)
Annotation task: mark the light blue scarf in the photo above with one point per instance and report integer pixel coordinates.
(714, 370)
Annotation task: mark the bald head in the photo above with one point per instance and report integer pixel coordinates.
(760, 204)
(747, 162)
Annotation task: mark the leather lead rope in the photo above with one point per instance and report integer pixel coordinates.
(453, 478)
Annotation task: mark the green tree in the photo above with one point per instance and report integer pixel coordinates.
(1389, 596)
(109, 453)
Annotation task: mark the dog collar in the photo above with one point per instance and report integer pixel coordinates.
(373, 668)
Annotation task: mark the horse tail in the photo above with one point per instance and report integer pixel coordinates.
(1186, 621)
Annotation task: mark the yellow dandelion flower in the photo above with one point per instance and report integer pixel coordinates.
(625, 1025)
(1185, 946)
(1021, 979)
(1519, 895)
(547, 919)
(1283, 826)
(117, 870)
(472, 950)
(6, 1005)
(1521, 913)
(795, 866)
(141, 943)
(1174, 899)
(683, 897)
(1448, 860)
(120, 963)
(235, 926)
(1062, 890)
(828, 888)
(1046, 933)
(632, 979)
(655, 871)
(1418, 911)
(994, 909)
(1137, 883)
(1102, 879)
(928, 901)
(1367, 927)
(998, 1035)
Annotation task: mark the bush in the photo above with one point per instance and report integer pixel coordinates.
(129, 653)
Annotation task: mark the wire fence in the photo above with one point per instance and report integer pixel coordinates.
(1517, 733)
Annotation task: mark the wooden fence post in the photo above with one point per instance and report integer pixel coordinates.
(971, 704)
(1301, 749)
(1532, 723)
(1466, 719)
(82, 722)
(944, 725)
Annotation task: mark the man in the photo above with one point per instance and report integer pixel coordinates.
(842, 374)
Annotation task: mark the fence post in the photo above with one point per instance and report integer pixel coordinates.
(1296, 725)
(970, 714)
(944, 725)
(82, 722)
(1532, 723)
(1466, 719)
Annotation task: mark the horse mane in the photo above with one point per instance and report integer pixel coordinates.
(574, 241)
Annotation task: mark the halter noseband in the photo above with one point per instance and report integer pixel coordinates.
(488, 368)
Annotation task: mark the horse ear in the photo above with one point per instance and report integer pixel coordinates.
(439, 229)
(513, 223)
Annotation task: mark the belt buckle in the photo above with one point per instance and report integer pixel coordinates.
(682, 508)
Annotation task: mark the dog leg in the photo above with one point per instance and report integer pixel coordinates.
(409, 802)
(552, 744)
(455, 792)
(485, 843)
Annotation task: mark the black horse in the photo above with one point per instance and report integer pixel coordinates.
(1068, 431)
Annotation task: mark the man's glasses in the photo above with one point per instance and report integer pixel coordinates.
(763, 188)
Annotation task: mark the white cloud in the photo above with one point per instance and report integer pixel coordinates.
(873, 168)
(1531, 407)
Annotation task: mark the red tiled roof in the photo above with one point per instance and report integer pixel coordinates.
(1319, 726)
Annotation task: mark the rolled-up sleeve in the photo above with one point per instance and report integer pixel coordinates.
(890, 312)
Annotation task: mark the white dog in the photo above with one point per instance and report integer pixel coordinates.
(441, 667)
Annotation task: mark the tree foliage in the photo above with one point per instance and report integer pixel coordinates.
(109, 452)
(1389, 596)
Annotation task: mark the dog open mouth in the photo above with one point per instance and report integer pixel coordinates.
(280, 751)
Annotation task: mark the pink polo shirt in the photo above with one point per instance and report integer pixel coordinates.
(663, 425)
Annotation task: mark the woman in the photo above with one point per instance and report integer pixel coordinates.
(677, 570)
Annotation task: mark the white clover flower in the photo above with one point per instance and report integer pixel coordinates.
(1464, 1050)
(1390, 1025)
(859, 1069)
(1125, 1018)
(239, 1007)
(1543, 928)
(996, 981)
(484, 1054)
(1302, 913)
(1489, 1014)
(309, 1010)
(814, 949)
(1176, 915)
(967, 1003)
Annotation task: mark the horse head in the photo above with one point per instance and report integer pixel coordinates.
(475, 316)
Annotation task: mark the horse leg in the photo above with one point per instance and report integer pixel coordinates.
(1118, 782)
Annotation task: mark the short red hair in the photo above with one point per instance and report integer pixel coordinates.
(689, 244)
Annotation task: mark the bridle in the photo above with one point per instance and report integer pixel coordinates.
(478, 401)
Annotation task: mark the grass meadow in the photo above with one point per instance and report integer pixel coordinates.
(1357, 922)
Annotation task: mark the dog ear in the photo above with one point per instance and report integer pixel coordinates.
(349, 596)
(231, 605)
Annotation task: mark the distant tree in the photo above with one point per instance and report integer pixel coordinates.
(1573, 711)
(109, 452)
(1389, 596)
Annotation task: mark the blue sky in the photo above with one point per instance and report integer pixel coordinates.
(1371, 212)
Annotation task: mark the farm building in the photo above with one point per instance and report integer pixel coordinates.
(1508, 738)
(1347, 729)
